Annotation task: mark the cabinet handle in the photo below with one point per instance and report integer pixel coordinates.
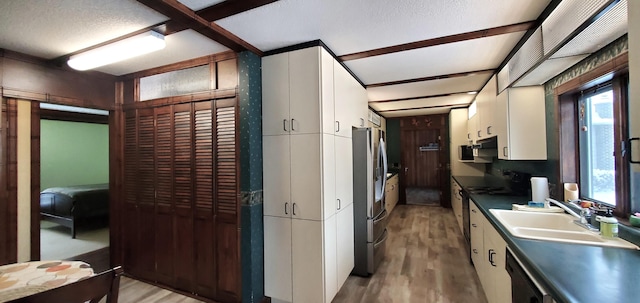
(294, 209)
(475, 251)
(293, 127)
(488, 130)
(338, 126)
(479, 134)
(504, 151)
(474, 225)
(473, 211)
(284, 124)
(339, 204)
(631, 151)
(286, 208)
(362, 122)
(468, 136)
(491, 254)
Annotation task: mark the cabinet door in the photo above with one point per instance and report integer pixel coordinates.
(275, 95)
(496, 248)
(526, 123)
(502, 109)
(304, 87)
(345, 255)
(307, 259)
(276, 166)
(306, 182)
(277, 250)
(327, 92)
(475, 221)
(346, 93)
(472, 128)
(344, 171)
(329, 177)
(486, 101)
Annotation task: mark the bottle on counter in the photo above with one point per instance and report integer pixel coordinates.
(608, 225)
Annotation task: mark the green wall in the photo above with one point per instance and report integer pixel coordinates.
(73, 153)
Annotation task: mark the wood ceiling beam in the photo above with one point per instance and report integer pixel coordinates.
(182, 14)
(425, 107)
(439, 77)
(218, 11)
(512, 28)
(420, 97)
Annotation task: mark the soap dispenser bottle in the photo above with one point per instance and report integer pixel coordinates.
(608, 225)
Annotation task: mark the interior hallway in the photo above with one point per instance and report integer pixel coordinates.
(425, 262)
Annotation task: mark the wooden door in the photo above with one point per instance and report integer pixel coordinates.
(203, 178)
(422, 165)
(164, 220)
(146, 193)
(182, 191)
(227, 201)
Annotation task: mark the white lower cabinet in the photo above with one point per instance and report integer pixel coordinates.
(345, 251)
(489, 255)
(301, 259)
(456, 202)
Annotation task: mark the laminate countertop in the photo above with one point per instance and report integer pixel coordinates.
(569, 272)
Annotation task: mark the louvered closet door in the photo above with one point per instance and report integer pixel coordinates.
(182, 190)
(227, 206)
(130, 213)
(204, 199)
(164, 221)
(146, 193)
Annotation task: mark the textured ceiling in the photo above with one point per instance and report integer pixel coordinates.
(357, 25)
(55, 28)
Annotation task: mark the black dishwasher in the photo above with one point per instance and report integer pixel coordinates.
(523, 290)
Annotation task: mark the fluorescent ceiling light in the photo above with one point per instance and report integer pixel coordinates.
(118, 51)
(472, 93)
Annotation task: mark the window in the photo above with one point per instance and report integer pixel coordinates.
(593, 123)
(596, 139)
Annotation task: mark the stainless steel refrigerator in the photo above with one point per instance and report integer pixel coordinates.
(370, 216)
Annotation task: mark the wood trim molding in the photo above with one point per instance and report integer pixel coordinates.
(35, 181)
(49, 114)
(183, 14)
(12, 181)
(209, 95)
(501, 30)
(617, 65)
(217, 12)
(439, 77)
(181, 65)
(424, 107)
(419, 97)
(48, 98)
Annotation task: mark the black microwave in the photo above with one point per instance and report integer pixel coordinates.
(465, 152)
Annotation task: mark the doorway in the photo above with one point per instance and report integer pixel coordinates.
(74, 182)
(424, 143)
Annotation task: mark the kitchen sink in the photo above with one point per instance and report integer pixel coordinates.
(553, 227)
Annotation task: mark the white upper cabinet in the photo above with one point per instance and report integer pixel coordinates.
(346, 96)
(486, 102)
(297, 92)
(275, 95)
(521, 128)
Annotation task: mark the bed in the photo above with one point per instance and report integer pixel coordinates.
(71, 204)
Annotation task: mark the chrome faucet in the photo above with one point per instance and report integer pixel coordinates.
(582, 217)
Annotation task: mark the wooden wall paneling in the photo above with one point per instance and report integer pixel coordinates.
(116, 189)
(130, 206)
(164, 220)
(227, 208)
(29, 78)
(4, 199)
(204, 189)
(146, 193)
(11, 254)
(35, 181)
(227, 74)
(183, 192)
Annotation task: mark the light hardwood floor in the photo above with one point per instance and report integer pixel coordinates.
(425, 262)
